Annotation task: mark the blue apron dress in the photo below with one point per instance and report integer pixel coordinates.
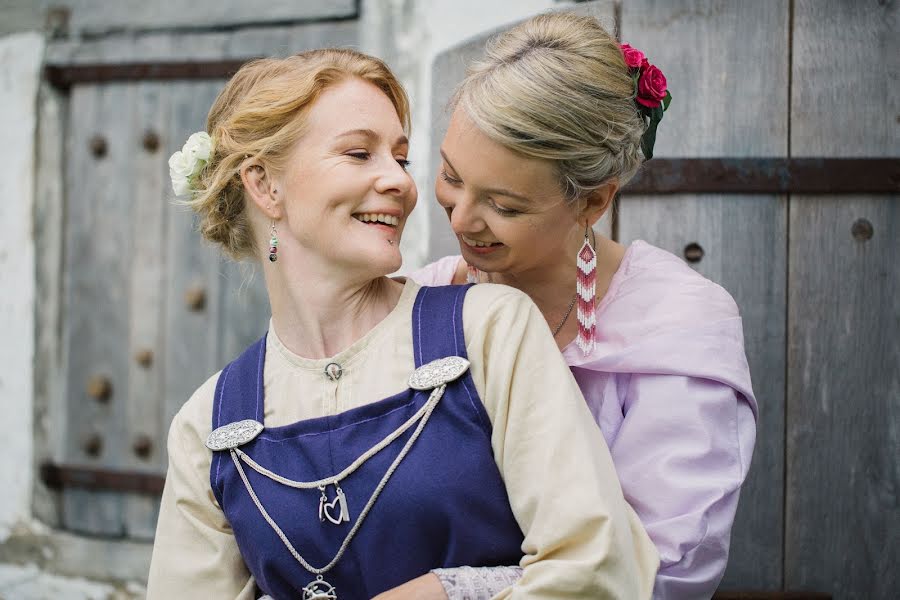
(444, 506)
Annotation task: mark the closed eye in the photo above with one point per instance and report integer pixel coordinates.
(505, 212)
(451, 180)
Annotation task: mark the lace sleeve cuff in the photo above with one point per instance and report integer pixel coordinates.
(471, 583)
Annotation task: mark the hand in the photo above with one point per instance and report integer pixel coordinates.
(426, 587)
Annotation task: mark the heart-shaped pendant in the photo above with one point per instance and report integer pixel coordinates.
(339, 502)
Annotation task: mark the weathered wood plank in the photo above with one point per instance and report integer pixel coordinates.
(844, 408)
(96, 317)
(249, 42)
(718, 57)
(49, 210)
(191, 328)
(244, 308)
(448, 70)
(98, 17)
(844, 314)
(143, 186)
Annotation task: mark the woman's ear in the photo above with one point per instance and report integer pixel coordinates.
(599, 201)
(260, 187)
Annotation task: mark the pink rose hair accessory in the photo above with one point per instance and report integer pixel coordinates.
(651, 94)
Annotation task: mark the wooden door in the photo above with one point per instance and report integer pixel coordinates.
(145, 311)
(776, 90)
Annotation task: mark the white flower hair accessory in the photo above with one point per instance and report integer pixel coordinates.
(186, 164)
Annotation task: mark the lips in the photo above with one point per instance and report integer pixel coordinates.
(379, 218)
(478, 243)
(478, 247)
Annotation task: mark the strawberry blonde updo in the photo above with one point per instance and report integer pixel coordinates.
(261, 113)
(556, 87)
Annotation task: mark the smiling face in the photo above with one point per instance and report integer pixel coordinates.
(345, 190)
(507, 210)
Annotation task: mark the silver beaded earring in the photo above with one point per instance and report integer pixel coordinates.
(273, 244)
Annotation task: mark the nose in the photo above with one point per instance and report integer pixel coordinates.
(464, 217)
(393, 180)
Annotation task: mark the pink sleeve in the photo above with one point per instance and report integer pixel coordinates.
(682, 452)
(440, 272)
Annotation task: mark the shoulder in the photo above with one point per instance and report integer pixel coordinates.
(492, 307)
(661, 317)
(193, 421)
(654, 282)
(440, 272)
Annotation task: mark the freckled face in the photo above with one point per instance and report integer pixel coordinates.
(507, 210)
(347, 192)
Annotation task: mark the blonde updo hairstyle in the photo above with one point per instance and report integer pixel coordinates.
(556, 87)
(261, 114)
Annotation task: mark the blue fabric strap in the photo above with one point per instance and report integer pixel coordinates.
(437, 323)
(239, 391)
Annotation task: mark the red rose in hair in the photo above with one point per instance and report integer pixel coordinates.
(633, 56)
(651, 86)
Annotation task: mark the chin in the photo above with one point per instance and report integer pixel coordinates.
(382, 265)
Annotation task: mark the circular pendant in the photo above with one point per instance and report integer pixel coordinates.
(334, 371)
(319, 589)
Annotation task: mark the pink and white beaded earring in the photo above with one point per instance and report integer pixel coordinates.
(273, 244)
(586, 288)
(471, 274)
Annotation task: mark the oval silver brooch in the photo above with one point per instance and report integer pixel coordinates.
(233, 435)
(438, 372)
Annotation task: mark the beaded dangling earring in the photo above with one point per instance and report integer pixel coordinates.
(273, 244)
(586, 287)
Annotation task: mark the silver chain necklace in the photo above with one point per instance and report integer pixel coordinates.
(565, 316)
(340, 499)
(434, 376)
(319, 589)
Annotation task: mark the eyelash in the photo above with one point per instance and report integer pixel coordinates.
(365, 156)
(448, 179)
(503, 212)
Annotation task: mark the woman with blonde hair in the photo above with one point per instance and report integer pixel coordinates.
(379, 429)
(546, 128)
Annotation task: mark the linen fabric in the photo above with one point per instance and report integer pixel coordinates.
(580, 537)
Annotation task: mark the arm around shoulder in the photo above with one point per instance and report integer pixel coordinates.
(581, 538)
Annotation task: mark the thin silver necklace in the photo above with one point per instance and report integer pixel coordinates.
(319, 588)
(565, 316)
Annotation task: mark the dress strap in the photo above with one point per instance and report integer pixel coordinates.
(239, 391)
(437, 323)
(239, 396)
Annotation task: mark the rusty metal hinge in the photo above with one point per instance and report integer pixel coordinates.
(767, 176)
(60, 477)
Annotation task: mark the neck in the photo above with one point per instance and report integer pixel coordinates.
(552, 285)
(318, 315)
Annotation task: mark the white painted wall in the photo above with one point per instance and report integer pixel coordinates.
(20, 61)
